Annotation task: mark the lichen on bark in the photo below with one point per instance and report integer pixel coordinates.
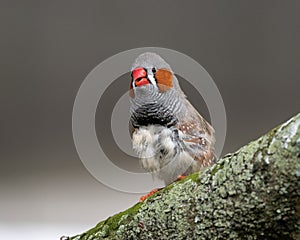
(253, 193)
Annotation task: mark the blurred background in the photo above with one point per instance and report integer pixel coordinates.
(251, 50)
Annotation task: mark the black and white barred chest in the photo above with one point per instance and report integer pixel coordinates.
(153, 108)
(153, 114)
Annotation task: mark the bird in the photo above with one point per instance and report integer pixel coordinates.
(169, 136)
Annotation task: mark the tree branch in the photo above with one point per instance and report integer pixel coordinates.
(253, 193)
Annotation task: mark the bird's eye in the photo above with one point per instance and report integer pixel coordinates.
(154, 70)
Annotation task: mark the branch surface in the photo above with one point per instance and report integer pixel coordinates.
(253, 193)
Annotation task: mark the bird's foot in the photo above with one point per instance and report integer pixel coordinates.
(143, 198)
(180, 177)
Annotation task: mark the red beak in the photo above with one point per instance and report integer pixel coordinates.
(139, 76)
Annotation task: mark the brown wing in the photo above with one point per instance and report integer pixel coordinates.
(198, 138)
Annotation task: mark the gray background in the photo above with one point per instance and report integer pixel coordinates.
(251, 50)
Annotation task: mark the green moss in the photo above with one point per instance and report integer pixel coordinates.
(108, 227)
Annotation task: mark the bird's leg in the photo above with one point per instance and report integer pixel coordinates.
(143, 198)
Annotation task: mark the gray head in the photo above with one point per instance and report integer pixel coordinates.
(149, 59)
(149, 70)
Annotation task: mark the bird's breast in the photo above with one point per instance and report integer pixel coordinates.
(153, 114)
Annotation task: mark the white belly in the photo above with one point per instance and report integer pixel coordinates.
(161, 152)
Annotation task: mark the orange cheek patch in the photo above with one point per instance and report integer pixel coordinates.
(164, 79)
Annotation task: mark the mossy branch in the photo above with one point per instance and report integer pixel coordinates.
(253, 193)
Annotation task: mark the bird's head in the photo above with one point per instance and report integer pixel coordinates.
(150, 71)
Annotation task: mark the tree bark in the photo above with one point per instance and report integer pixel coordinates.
(253, 193)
